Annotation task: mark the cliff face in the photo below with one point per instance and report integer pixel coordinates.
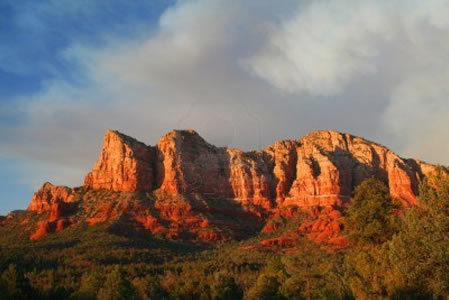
(330, 164)
(316, 173)
(125, 164)
(320, 169)
(187, 164)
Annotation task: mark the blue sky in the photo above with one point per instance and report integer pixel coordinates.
(33, 38)
(242, 73)
(34, 34)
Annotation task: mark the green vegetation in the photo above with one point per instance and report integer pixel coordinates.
(394, 253)
(371, 217)
(419, 253)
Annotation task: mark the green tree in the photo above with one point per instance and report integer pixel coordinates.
(370, 218)
(370, 222)
(269, 281)
(14, 285)
(308, 271)
(148, 288)
(266, 288)
(225, 287)
(3, 291)
(367, 273)
(419, 254)
(116, 287)
(91, 283)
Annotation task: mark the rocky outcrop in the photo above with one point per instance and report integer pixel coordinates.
(210, 193)
(125, 164)
(320, 169)
(46, 227)
(187, 164)
(324, 225)
(49, 198)
(330, 164)
(58, 202)
(283, 159)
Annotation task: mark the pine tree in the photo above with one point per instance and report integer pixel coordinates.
(13, 284)
(419, 253)
(90, 285)
(148, 288)
(225, 287)
(307, 269)
(371, 221)
(266, 288)
(370, 218)
(116, 287)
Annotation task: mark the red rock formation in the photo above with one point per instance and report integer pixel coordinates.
(43, 228)
(124, 165)
(330, 164)
(46, 227)
(324, 225)
(133, 210)
(57, 200)
(49, 195)
(104, 212)
(319, 170)
(283, 157)
(187, 164)
(280, 242)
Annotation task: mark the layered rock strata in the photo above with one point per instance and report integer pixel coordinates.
(125, 164)
(319, 170)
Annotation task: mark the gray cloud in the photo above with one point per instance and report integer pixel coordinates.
(246, 74)
(397, 50)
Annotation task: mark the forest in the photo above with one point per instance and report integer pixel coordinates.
(393, 253)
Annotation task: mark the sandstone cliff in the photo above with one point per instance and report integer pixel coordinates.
(212, 193)
(125, 164)
(320, 169)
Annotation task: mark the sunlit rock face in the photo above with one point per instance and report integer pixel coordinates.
(184, 187)
(330, 164)
(320, 169)
(57, 201)
(125, 164)
(49, 196)
(187, 164)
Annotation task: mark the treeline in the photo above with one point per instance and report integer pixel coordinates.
(394, 253)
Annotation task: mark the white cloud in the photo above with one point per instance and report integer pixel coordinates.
(183, 74)
(324, 47)
(377, 69)
(418, 116)
(329, 47)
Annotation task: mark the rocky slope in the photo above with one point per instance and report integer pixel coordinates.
(184, 187)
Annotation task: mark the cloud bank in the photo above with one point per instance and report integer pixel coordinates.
(245, 74)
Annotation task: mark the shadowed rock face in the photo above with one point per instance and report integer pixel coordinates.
(319, 170)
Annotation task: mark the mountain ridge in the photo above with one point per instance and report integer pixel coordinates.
(186, 188)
